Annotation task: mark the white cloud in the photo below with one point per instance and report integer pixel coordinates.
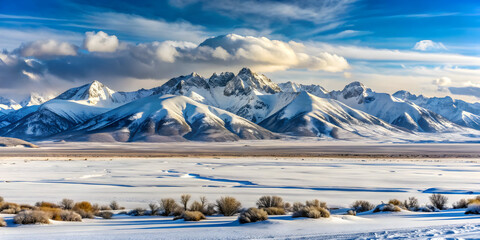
(443, 81)
(42, 48)
(426, 45)
(100, 42)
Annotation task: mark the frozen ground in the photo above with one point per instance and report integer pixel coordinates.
(135, 182)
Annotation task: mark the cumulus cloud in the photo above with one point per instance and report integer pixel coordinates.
(426, 45)
(100, 42)
(46, 48)
(443, 81)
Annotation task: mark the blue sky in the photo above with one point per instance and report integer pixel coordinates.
(388, 45)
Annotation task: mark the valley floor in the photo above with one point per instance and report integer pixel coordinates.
(137, 181)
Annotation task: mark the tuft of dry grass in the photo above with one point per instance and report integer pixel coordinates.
(2, 222)
(387, 208)
(253, 215)
(105, 214)
(396, 202)
(228, 206)
(85, 209)
(31, 217)
(275, 211)
(270, 201)
(193, 216)
(9, 208)
(362, 206)
(312, 212)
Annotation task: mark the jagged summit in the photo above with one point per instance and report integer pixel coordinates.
(247, 81)
(354, 89)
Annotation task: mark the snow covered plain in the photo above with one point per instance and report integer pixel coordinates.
(135, 182)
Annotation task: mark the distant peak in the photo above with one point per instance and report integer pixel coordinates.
(245, 70)
(355, 84)
(194, 74)
(354, 89)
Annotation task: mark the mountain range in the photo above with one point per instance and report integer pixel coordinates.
(229, 107)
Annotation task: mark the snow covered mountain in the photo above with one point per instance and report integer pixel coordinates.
(308, 115)
(458, 111)
(228, 107)
(166, 118)
(67, 110)
(35, 99)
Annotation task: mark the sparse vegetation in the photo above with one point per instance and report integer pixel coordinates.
(191, 216)
(9, 208)
(138, 212)
(396, 202)
(228, 206)
(253, 215)
(2, 222)
(462, 203)
(473, 209)
(46, 204)
(70, 216)
(270, 201)
(411, 204)
(311, 209)
(362, 206)
(184, 200)
(168, 206)
(387, 208)
(351, 212)
(154, 208)
(31, 217)
(439, 201)
(67, 204)
(115, 206)
(105, 214)
(85, 209)
(275, 211)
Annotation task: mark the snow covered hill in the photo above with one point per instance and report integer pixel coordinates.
(166, 118)
(8, 105)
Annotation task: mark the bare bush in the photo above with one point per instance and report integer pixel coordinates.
(67, 204)
(46, 204)
(439, 201)
(297, 206)
(475, 200)
(184, 200)
(31, 217)
(168, 206)
(351, 212)
(105, 208)
(270, 201)
(196, 206)
(312, 212)
(473, 209)
(115, 206)
(228, 206)
(138, 212)
(253, 215)
(53, 213)
(275, 211)
(316, 203)
(2, 222)
(105, 214)
(462, 203)
(362, 206)
(288, 207)
(210, 210)
(387, 208)
(70, 216)
(9, 208)
(191, 216)
(26, 207)
(154, 209)
(411, 204)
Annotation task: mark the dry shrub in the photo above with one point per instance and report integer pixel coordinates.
(396, 202)
(53, 213)
(351, 212)
(154, 208)
(191, 216)
(105, 214)
(462, 203)
(26, 207)
(9, 208)
(105, 208)
(184, 200)
(297, 206)
(70, 216)
(138, 212)
(46, 204)
(67, 204)
(253, 215)
(228, 206)
(31, 217)
(316, 203)
(275, 211)
(1, 199)
(179, 211)
(197, 206)
(168, 206)
(2, 222)
(473, 209)
(475, 200)
(210, 210)
(85, 209)
(439, 201)
(114, 205)
(362, 206)
(387, 208)
(288, 207)
(312, 212)
(270, 201)
(411, 204)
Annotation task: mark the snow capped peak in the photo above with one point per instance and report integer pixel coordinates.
(92, 93)
(354, 89)
(246, 81)
(35, 99)
(220, 80)
(7, 105)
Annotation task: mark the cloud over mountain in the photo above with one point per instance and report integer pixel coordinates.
(100, 42)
